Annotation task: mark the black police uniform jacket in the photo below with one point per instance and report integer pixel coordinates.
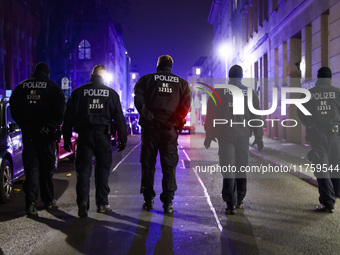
(164, 94)
(324, 106)
(38, 102)
(94, 104)
(237, 125)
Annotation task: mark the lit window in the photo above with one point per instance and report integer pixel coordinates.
(198, 71)
(84, 50)
(133, 76)
(234, 5)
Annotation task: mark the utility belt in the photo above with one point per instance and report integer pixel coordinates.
(156, 124)
(43, 132)
(101, 128)
(166, 125)
(53, 133)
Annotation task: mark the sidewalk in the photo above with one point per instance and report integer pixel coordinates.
(288, 154)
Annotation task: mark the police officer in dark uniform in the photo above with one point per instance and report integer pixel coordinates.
(163, 100)
(37, 105)
(91, 109)
(323, 126)
(233, 139)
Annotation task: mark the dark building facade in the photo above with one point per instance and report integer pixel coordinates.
(279, 44)
(70, 37)
(100, 42)
(19, 31)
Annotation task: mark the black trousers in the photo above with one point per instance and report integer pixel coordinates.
(233, 151)
(96, 143)
(325, 152)
(39, 164)
(164, 141)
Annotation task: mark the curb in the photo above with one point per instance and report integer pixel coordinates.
(300, 175)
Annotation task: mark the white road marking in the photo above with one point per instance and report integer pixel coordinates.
(183, 165)
(206, 194)
(114, 169)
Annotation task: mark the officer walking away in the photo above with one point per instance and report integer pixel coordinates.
(323, 126)
(37, 105)
(233, 139)
(162, 100)
(90, 110)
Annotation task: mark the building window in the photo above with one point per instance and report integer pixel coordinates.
(250, 22)
(260, 6)
(255, 15)
(198, 71)
(265, 10)
(276, 68)
(324, 39)
(84, 50)
(274, 5)
(234, 5)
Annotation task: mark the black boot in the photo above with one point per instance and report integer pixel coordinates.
(240, 205)
(148, 205)
(103, 209)
(31, 209)
(322, 208)
(51, 205)
(168, 208)
(82, 209)
(230, 209)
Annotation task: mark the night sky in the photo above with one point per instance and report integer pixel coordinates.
(178, 27)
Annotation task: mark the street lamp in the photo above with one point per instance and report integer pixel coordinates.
(225, 51)
(108, 77)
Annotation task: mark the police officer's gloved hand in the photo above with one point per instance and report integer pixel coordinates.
(155, 123)
(310, 155)
(121, 146)
(180, 124)
(170, 125)
(259, 143)
(208, 140)
(67, 145)
(147, 114)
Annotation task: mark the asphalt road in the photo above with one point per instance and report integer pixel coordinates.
(278, 217)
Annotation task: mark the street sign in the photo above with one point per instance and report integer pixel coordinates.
(65, 83)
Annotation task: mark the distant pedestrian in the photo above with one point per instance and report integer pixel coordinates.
(91, 110)
(163, 101)
(37, 105)
(233, 140)
(324, 134)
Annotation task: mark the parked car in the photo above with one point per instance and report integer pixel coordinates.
(61, 153)
(189, 127)
(11, 147)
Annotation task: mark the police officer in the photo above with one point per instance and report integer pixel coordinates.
(91, 109)
(323, 126)
(233, 139)
(163, 100)
(37, 105)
